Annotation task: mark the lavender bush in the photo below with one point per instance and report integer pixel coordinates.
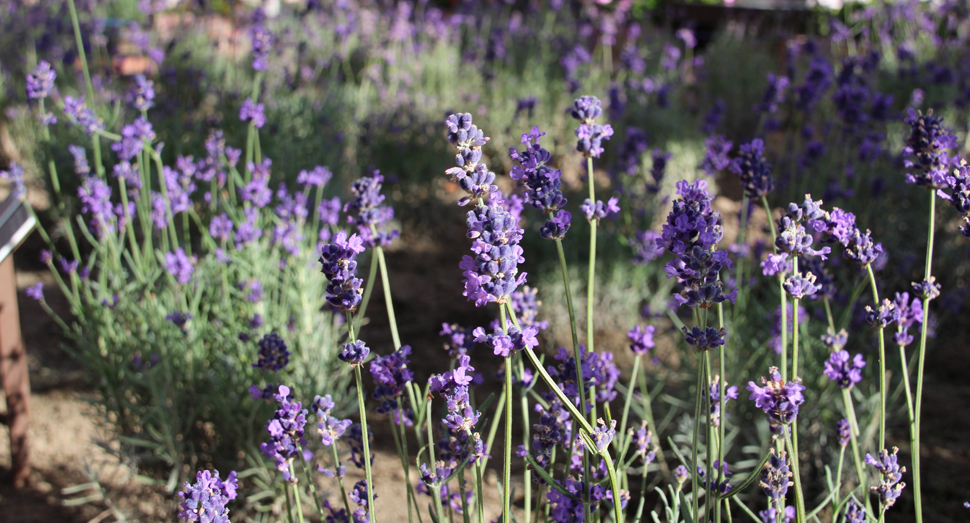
(247, 281)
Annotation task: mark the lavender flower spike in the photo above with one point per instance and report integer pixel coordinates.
(470, 173)
(587, 109)
(892, 474)
(41, 81)
(779, 399)
(339, 261)
(205, 501)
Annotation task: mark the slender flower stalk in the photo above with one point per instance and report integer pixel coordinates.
(921, 360)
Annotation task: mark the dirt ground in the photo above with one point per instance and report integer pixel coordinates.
(68, 434)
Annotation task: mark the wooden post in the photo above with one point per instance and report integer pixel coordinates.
(13, 373)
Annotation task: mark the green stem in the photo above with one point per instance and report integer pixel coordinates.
(368, 289)
(340, 480)
(883, 392)
(387, 294)
(402, 452)
(507, 466)
(591, 278)
(799, 493)
(296, 495)
(854, 433)
(918, 405)
(366, 443)
(309, 480)
(628, 399)
(695, 485)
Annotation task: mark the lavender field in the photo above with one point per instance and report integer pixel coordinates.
(455, 261)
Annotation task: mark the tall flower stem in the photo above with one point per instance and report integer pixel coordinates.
(918, 404)
(854, 432)
(883, 392)
(507, 466)
(584, 424)
(309, 480)
(698, 399)
(711, 494)
(627, 400)
(391, 318)
(402, 450)
(721, 400)
(435, 488)
(365, 439)
(796, 476)
(591, 279)
(340, 480)
(95, 139)
(296, 495)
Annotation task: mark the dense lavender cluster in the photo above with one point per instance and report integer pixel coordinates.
(286, 433)
(205, 500)
(470, 173)
(391, 376)
(587, 109)
(339, 260)
(891, 485)
(273, 354)
(750, 165)
(692, 233)
(542, 183)
(779, 399)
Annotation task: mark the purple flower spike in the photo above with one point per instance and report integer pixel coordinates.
(328, 427)
(845, 432)
(800, 286)
(716, 159)
(142, 94)
(15, 175)
(36, 291)
(704, 339)
(885, 315)
(641, 339)
(41, 81)
(391, 375)
(891, 485)
(753, 169)
(81, 115)
(273, 354)
(179, 265)
(603, 434)
(730, 393)
(928, 144)
(542, 183)
(492, 275)
(587, 109)
(205, 500)
(371, 217)
(286, 433)
(776, 476)
(842, 371)
(600, 210)
(854, 513)
(556, 228)
(354, 353)
(253, 113)
(470, 173)
(779, 399)
(339, 261)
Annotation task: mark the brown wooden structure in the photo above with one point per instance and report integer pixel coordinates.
(16, 222)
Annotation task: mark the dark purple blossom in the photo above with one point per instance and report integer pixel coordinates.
(359, 493)
(776, 476)
(716, 388)
(634, 145)
(542, 183)
(844, 372)
(910, 313)
(779, 399)
(603, 434)
(835, 340)
(286, 433)
(704, 338)
(754, 171)
(646, 245)
(262, 41)
(205, 501)
(220, 228)
(854, 513)
(339, 264)
(599, 372)
(35, 291)
(371, 217)
(470, 173)
(774, 94)
(40, 82)
(273, 354)
(556, 228)
(179, 319)
(891, 484)
(492, 275)
(885, 315)
(928, 145)
(716, 154)
(845, 432)
(641, 339)
(391, 375)
(800, 286)
(587, 109)
(354, 353)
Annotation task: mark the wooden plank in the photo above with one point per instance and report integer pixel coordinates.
(13, 373)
